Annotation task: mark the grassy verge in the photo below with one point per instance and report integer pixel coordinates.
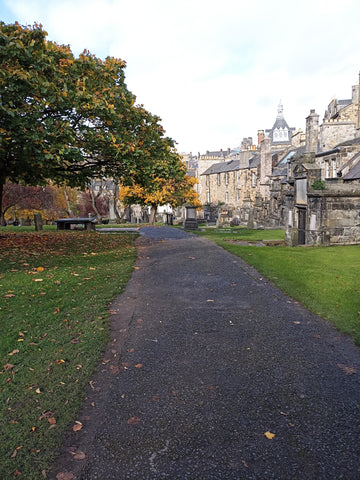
(54, 290)
(325, 280)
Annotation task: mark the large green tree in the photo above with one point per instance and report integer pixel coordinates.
(67, 119)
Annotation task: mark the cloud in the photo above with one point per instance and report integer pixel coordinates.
(215, 71)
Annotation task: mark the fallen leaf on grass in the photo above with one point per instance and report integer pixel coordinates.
(38, 279)
(52, 420)
(9, 295)
(133, 421)
(13, 352)
(269, 435)
(17, 473)
(8, 366)
(13, 455)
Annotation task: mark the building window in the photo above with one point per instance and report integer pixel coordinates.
(237, 175)
(218, 179)
(226, 178)
(333, 166)
(226, 197)
(327, 169)
(207, 180)
(237, 194)
(207, 197)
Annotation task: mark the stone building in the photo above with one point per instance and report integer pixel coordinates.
(307, 183)
(323, 193)
(241, 184)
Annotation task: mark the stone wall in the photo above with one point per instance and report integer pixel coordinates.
(333, 132)
(332, 216)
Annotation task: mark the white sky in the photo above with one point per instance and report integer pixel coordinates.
(214, 70)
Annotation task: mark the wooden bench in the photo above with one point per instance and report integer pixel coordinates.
(68, 223)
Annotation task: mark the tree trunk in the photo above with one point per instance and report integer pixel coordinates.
(153, 214)
(68, 207)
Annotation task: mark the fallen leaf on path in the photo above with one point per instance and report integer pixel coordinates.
(79, 455)
(139, 365)
(64, 476)
(114, 370)
(347, 370)
(269, 435)
(78, 426)
(133, 421)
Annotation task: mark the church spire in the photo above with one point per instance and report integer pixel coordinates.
(280, 113)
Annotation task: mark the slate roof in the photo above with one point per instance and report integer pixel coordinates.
(348, 143)
(231, 166)
(354, 172)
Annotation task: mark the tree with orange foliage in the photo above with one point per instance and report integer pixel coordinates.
(164, 183)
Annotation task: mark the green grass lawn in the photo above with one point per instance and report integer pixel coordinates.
(326, 280)
(54, 291)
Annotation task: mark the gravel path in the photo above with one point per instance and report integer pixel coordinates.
(206, 359)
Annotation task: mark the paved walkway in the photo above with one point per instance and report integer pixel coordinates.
(206, 358)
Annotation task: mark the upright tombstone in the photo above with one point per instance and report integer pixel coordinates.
(190, 218)
(38, 222)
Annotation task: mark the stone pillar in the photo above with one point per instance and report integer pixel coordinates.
(312, 132)
(112, 215)
(261, 136)
(265, 162)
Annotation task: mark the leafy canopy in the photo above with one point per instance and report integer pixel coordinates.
(71, 119)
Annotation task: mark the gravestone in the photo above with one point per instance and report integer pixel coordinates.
(38, 222)
(190, 218)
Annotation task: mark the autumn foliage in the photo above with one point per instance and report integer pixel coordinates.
(70, 119)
